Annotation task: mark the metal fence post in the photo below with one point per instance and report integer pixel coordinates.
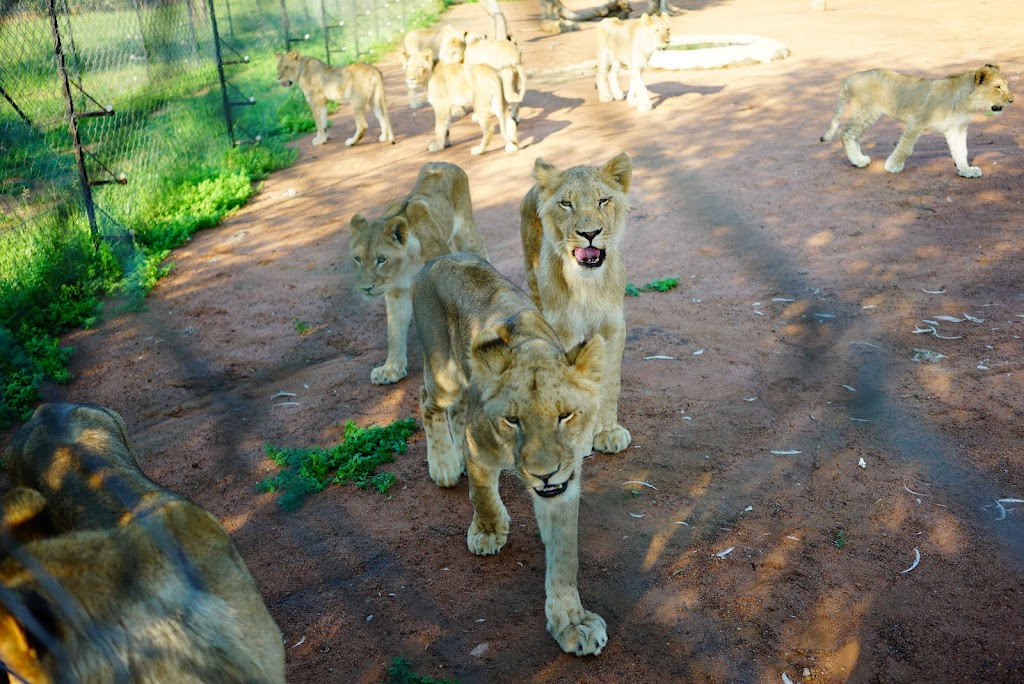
(220, 73)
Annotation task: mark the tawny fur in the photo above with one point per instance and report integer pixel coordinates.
(457, 87)
(124, 580)
(435, 218)
(500, 392)
(415, 42)
(628, 43)
(501, 55)
(583, 207)
(360, 84)
(945, 105)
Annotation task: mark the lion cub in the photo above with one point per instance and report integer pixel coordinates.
(572, 224)
(457, 86)
(501, 392)
(117, 579)
(630, 43)
(945, 105)
(435, 218)
(360, 84)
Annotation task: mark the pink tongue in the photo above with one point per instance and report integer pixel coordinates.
(587, 253)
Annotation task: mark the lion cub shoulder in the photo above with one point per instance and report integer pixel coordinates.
(360, 84)
(125, 576)
(945, 105)
(435, 218)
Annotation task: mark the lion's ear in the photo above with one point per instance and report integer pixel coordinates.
(294, 54)
(545, 173)
(358, 223)
(427, 55)
(418, 212)
(587, 358)
(22, 515)
(985, 73)
(22, 647)
(619, 170)
(398, 229)
(492, 354)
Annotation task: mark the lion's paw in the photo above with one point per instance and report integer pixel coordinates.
(971, 172)
(485, 542)
(511, 147)
(386, 375)
(351, 141)
(434, 147)
(644, 107)
(445, 472)
(477, 150)
(319, 140)
(893, 167)
(612, 441)
(585, 636)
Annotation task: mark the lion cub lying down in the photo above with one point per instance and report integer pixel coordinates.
(360, 84)
(113, 578)
(435, 218)
(500, 392)
(945, 105)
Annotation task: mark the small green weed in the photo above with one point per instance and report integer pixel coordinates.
(662, 285)
(301, 326)
(631, 494)
(840, 540)
(306, 471)
(401, 673)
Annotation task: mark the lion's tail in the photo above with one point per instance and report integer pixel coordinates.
(844, 95)
(513, 82)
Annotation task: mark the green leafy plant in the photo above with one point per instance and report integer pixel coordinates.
(301, 326)
(662, 285)
(307, 471)
(840, 540)
(401, 673)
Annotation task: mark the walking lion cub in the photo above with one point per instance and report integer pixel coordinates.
(435, 218)
(108, 577)
(945, 105)
(628, 43)
(500, 392)
(360, 84)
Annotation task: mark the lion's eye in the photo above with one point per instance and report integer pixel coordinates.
(603, 202)
(381, 260)
(565, 417)
(565, 204)
(511, 421)
(357, 260)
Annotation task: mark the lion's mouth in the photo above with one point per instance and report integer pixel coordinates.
(589, 257)
(550, 490)
(286, 84)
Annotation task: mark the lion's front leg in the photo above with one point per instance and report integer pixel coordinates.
(319, 108)
(445, 457)
(956, 138)
(603, 92)
(613, 80)
(442, 121)
(399, 308)
(638, 94)
(609, 436)
(488, 532)
(577, 630)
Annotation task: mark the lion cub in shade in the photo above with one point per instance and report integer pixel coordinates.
(435, 218)
(945, 105)
(628, 43)
(501, 392)
(572, 224)
(360, 84)
(108, 577)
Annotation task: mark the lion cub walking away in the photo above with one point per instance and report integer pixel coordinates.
(501, 55)
(572, 223)
(500, 392)
(628, 43)
(945, 105)
(460, 86)
(360, 84)
(112, 577)
(435, 218)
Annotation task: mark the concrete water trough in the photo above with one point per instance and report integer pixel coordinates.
(714, 51)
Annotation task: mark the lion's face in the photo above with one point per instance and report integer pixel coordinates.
(991, 91)
(288, 67)
(418, 69)
(542, 404)
(658, 28)
(584, 210)
(380, 253)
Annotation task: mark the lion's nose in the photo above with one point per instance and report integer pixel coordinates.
(589, 236)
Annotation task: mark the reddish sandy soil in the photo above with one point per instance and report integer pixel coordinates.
(802, 279)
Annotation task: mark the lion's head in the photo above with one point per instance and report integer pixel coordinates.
(385, 252)
(289, 66)
(418, 68)
(540, 401)
(656, 29)
(991, 91)
(583, 210)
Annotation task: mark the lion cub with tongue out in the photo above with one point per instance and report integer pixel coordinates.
(572, 223)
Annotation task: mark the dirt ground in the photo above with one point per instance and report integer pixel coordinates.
(803, 280)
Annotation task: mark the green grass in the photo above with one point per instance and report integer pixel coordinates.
(167, 136)
(401, 673)
(307, 471)
(662, 285)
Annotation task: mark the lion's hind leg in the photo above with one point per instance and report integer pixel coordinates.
(860, 121)
(380, 110)
(488, 532)
(359, 114)
(904, 148)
